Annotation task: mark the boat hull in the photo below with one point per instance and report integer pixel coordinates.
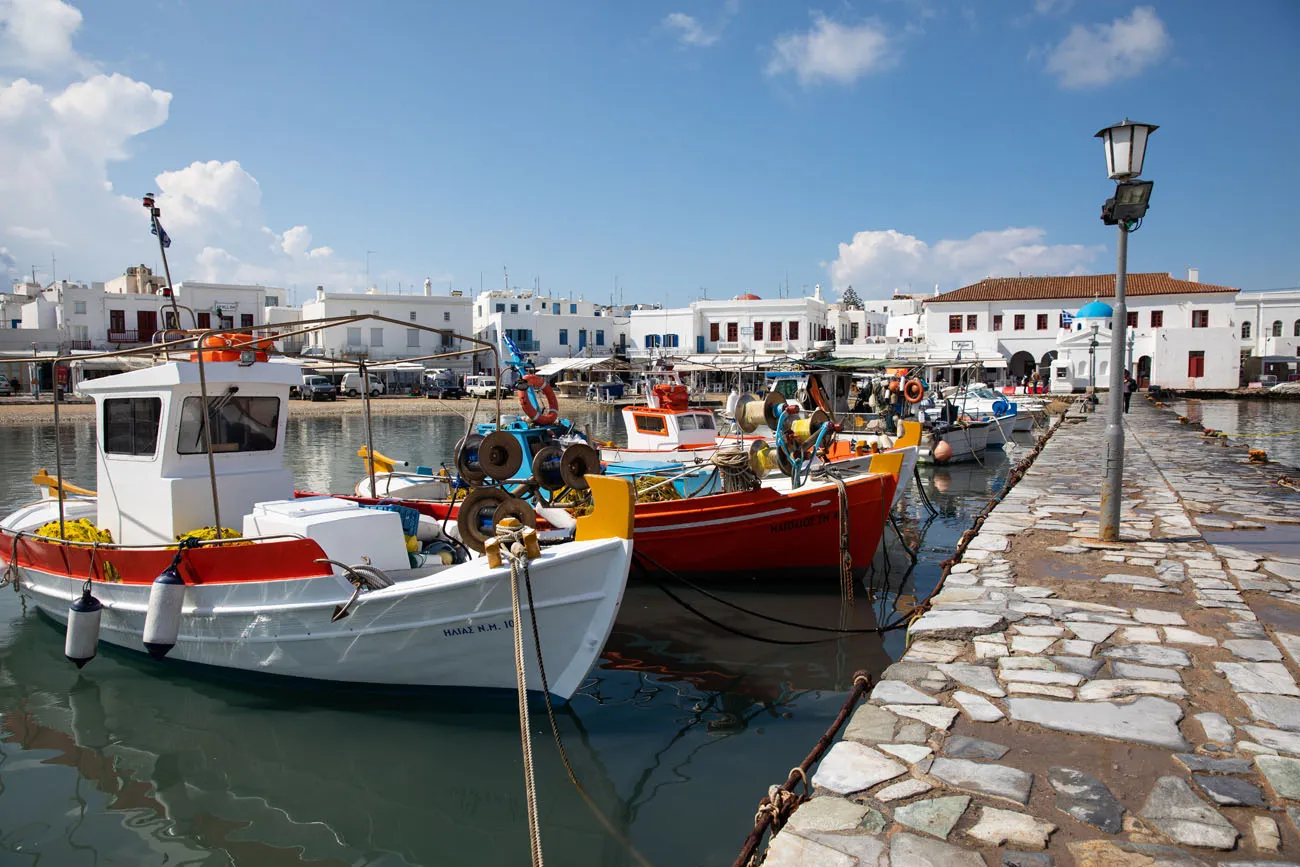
(449, 629)
(968, 443)
(764, 533)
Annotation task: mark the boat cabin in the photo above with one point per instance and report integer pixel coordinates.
(151, 460)
(666, 422)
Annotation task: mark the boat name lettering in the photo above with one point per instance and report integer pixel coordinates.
(800, 523)
(454, 631)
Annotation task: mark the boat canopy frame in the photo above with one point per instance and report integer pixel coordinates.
(170, 341)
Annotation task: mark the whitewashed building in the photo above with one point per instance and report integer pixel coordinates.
(384, 341)
(746, 325)
(545, 327)
(1269, 323)
(1182, 333)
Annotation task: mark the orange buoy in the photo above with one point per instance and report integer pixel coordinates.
(942, 453)
(914, 391)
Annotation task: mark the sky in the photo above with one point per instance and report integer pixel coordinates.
(662, 151)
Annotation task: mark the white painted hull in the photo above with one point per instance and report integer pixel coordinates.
(622, 454)
(968, 443)
(1000, 430)
(451, 628)
(407, 486)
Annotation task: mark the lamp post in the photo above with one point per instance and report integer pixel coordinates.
(1092, 360)
(1126, 145)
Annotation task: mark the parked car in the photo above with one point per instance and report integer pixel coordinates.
(6, 390)
(316, 387)
(444, 386)
(351, 385)
(481, 386)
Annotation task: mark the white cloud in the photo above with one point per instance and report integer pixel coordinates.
(1096, 56)
(37, 34)
(877, 262)
(689, 31)
(831, 51)
(67, 124)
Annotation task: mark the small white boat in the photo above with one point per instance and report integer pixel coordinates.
(318, 587)
(965, 441)
(666, 428)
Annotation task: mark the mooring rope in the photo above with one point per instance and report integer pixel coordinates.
(511, 543)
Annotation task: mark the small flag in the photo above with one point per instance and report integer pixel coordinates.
(1067, 319)
(161, 233)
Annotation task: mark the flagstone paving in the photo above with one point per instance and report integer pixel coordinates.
(1069, 701)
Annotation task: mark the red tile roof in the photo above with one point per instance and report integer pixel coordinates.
(1086, 286)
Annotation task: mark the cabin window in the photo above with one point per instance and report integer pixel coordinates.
(131, 425)
(651, 424)
(238, 424)
(695, 421)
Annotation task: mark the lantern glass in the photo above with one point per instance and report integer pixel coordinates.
(1126, 146)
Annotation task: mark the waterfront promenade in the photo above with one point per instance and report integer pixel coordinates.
(1067, 701)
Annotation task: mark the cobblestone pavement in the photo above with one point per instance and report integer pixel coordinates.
(1068, 700)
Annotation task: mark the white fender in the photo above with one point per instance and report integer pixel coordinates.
(162, 621)
(82, 641)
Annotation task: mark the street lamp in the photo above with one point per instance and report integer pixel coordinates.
(1092, 360)
(1126, 145)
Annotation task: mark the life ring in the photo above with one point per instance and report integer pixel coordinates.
(532, 407)
(914, 392)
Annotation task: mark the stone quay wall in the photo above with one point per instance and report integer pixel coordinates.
(1070, 701)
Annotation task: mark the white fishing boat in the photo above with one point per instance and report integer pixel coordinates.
(953, 442)
(667, 428)
(317, 587)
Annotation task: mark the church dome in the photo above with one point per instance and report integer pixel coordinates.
(748, 296)
(1095, 310)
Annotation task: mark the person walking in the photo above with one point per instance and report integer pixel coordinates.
(1130, 386)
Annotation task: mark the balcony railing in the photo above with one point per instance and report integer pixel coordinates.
(356, 349)
(529, 345)
(729, 346)
(76, 344)
(776, 345)
(123, 336)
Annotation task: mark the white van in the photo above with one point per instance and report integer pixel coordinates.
(351, 385)
(481, 386)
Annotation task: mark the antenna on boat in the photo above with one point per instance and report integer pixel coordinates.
(163, 243)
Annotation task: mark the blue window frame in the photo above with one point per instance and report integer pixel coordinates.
(564, 337)
(573, 309)
(555, 308)
(600, 337)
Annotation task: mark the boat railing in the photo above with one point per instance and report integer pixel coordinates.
(192, 342)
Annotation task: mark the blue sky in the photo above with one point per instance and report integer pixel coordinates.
(723, 145)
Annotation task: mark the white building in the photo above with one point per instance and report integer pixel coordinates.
(544, 327)
(1269, 323)
(384, 341)
(746, 325)
(1182, 333)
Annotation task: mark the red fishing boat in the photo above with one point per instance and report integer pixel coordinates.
(776, 530)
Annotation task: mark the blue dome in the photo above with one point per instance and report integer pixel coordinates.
(1095, 310)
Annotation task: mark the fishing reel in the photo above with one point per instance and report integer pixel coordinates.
(484, 509)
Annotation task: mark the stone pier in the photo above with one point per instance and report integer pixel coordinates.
(1070, 701)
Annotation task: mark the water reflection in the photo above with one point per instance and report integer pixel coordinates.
(1246, 417)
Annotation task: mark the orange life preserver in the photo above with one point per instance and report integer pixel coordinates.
(914, 392)
(532, 407)
(224, 346)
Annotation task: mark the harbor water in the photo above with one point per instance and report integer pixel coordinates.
(676, 735)
(1260, 424)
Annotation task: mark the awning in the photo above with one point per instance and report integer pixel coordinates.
(851, 364)
(580, 364)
